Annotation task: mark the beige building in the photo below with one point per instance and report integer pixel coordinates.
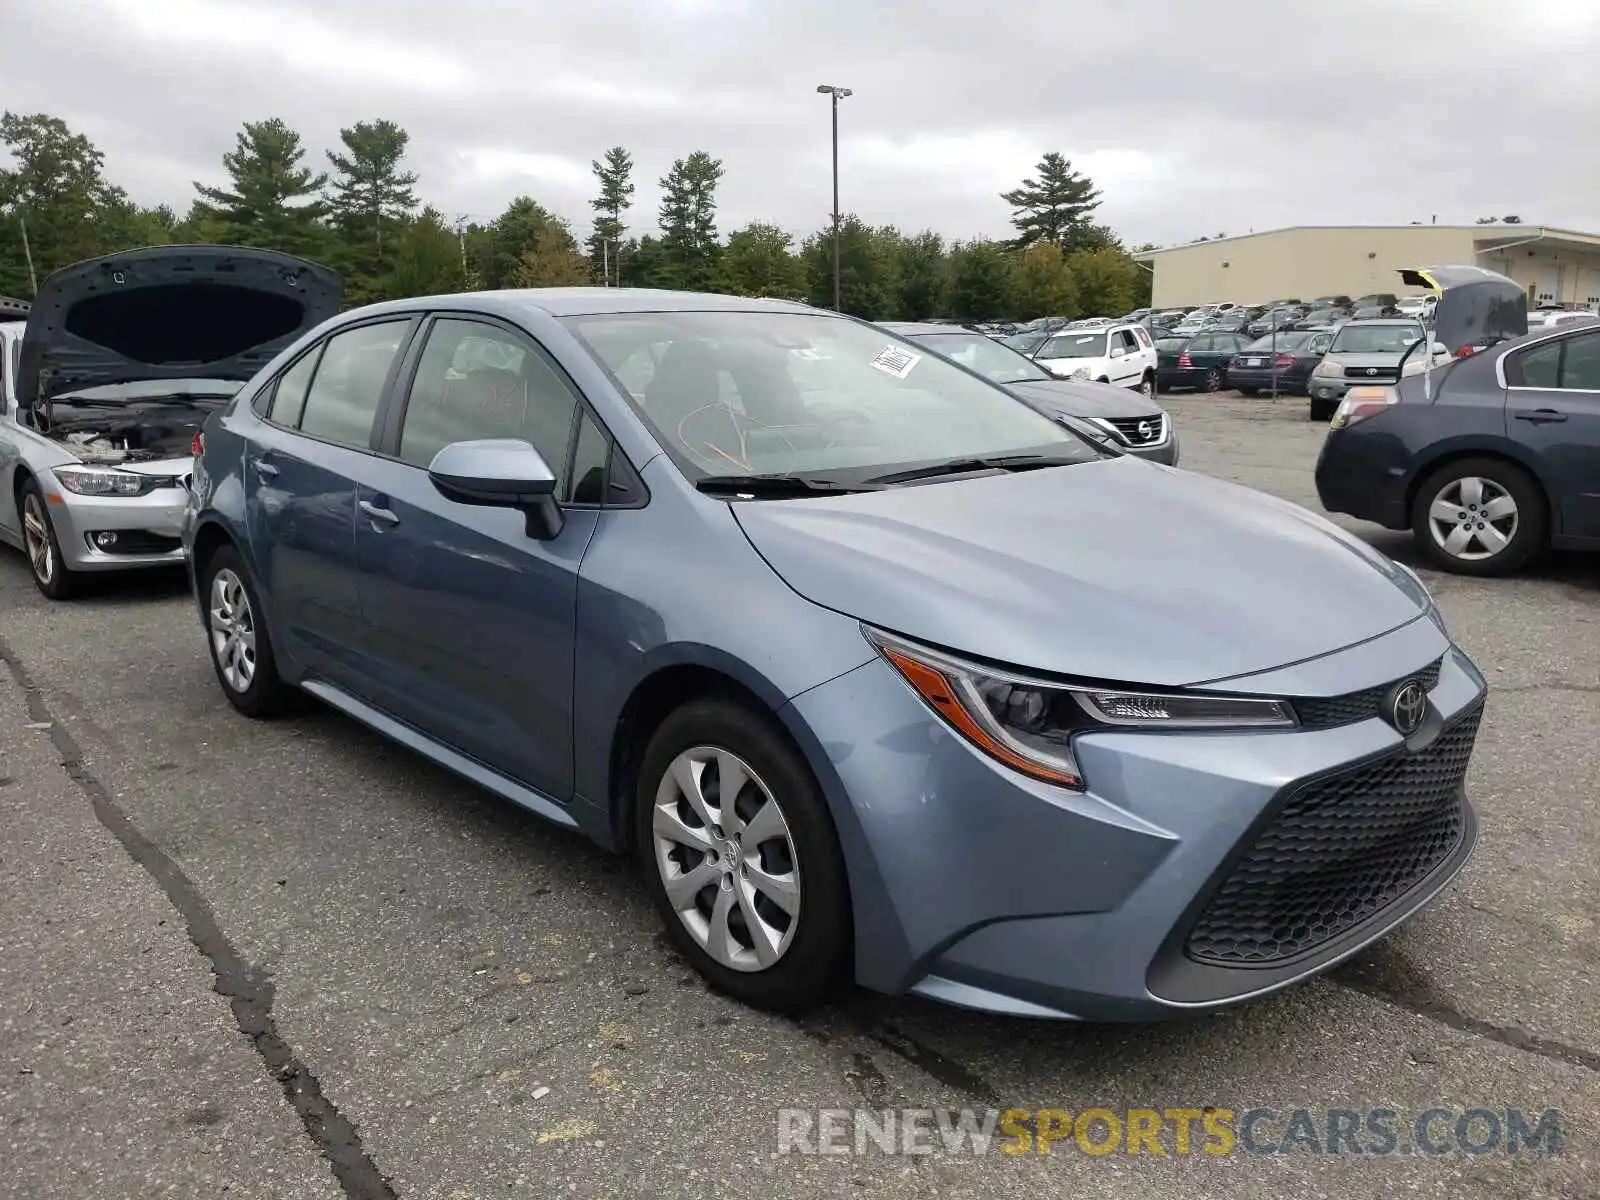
(1307, 261)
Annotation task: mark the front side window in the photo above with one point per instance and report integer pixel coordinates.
(815, 393)
(348, 384)
(987, 357)
(1580, 367)
(478, 381)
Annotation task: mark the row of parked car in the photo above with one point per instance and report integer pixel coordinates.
(785, 604)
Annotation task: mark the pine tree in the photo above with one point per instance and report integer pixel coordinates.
(615, 175)
(689, 222)
(369, 192)
(273, 202)
(1055, 207)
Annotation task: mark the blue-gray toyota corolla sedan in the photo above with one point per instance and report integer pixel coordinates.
(880, 673)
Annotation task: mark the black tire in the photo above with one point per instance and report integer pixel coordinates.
(1213, 380)
(54, 579)
(815, 962)
(1528, 537)
(1147, 385)
(1249, 391)
(1321, 410)
(266, 695)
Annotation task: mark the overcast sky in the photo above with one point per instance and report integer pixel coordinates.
(1194, 118)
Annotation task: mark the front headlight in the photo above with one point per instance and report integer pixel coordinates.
(1028, 724)
(100, 481)
(1328, 369)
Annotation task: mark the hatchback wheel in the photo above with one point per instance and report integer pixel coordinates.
(50, 572)
(241, 650)
(741, 857)
(1213, 380)
(1479, 516)
(1147, 386)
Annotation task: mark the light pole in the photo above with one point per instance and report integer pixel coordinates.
(838, 94)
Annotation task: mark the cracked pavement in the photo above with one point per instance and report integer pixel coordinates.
(292, 960)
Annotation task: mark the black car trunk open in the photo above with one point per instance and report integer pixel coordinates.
(124, 356)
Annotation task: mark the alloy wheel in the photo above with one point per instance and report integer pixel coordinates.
(726, 858)
(36, 538)
(1213, 380)
(1473, 518)
(233, 630)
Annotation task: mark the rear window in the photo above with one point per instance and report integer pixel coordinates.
(1172, 344)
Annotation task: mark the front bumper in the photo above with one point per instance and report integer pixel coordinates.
(1365, 473)
(148, 529)
(976, 886)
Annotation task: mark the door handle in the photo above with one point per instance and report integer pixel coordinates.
(264, 468)
(1542, 416)
(378, 516)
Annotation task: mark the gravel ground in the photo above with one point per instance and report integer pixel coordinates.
(291, 960)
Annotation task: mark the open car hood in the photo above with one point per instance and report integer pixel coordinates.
(1474, 305)
(169, 312)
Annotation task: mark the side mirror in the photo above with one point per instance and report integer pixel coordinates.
(500, 473)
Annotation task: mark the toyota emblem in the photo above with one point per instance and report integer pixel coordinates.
(1407, 705)
(1145, 431)
(1372, 370)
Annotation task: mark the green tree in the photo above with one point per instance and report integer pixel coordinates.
(923, 276)
(369, 193)
(427, 258)
(56, 190)
(273, 202)
(1105, 282)
(868, 282)
(1044, 283)
(689, 222)
(642, 262)
(1054, 206)
(983, 281)
(759, 260)
(497, 251)
(615, 176)
(553, 260)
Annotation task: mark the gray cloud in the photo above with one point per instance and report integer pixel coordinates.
(1194, 119)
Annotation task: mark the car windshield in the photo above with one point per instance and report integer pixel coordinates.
(1376, 339)
(787, 393)
(1076, 345)
(1025, 343)
(1283, 342)
(985, 356)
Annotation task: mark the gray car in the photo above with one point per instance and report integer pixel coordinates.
(105, 382)
(1127, 419)
(878, 672)
(1362, 353)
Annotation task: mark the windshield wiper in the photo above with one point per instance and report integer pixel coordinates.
(775, 486)
(967, 466)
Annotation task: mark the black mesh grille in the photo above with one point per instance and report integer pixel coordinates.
(1154, 429)
(1324, 712)
(1337, 852)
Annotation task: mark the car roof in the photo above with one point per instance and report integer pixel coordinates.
(592, 301)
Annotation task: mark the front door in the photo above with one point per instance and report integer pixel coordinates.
(1553, 408)
(302, 460)
(474, 619)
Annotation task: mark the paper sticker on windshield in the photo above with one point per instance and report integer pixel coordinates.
(893, 360)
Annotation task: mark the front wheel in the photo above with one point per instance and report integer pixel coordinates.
(1322, 410)
(50, 573)
(1479, 516)
(741, 858)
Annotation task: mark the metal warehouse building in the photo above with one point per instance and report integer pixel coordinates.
(1306, 261)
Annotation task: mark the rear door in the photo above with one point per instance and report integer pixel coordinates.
(1553, 408)
(302, 461)
(473, 619)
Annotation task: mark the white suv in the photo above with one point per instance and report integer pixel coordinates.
(1123, 355)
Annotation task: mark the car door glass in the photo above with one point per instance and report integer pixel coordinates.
(348, 383)
(1201, 344)
(589, 459)
(1127, 341)
(481, 381)
(1580, 367)
(1540, 366)
(286, 400)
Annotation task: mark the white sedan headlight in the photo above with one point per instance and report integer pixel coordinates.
(101, 481)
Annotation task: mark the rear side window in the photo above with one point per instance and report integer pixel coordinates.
(1202, 344)
(344, 394)
(1571, 364)
(1540, 367)
(286, 400)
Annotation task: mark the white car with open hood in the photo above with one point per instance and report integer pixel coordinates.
(106, 380)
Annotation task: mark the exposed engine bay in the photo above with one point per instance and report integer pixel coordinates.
(108, 432)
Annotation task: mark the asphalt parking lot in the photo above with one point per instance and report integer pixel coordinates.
(291, 960)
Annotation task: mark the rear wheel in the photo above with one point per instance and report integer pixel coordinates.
(1213, 380)
(241, 649)
(1479, 516)
(50, 573)
(1147, 385)
(741, 858)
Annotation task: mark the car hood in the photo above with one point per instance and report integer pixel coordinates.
(169, 312)
(1385, 359)
(1077, 399)
(1116, 570)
